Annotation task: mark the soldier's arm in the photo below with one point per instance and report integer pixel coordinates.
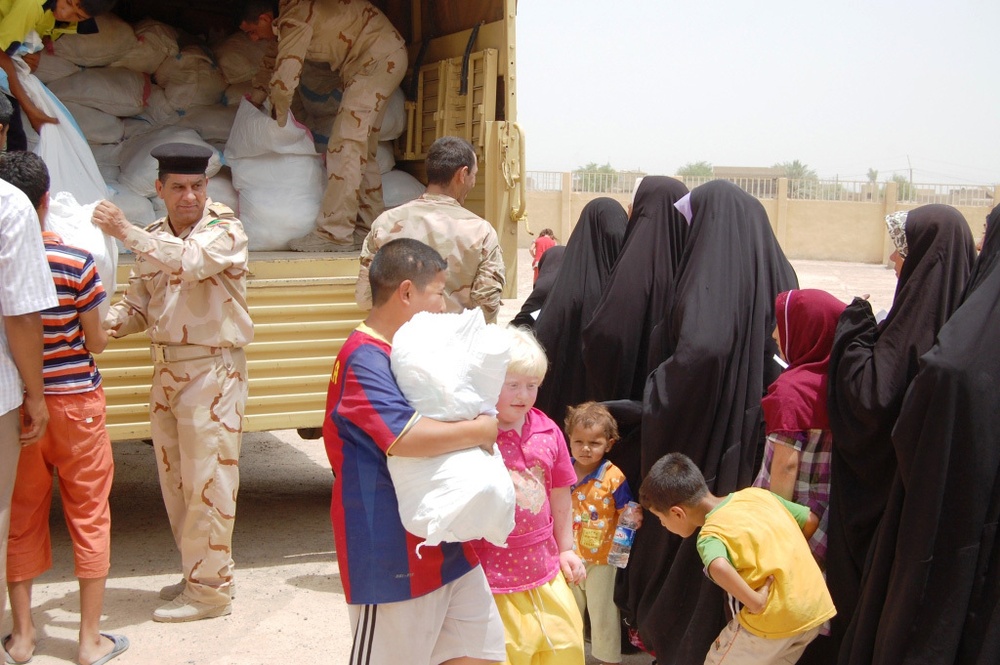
(294, 36)
(488, 283)
(128, 315)
(363, 289)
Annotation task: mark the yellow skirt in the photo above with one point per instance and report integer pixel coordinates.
(542, 626)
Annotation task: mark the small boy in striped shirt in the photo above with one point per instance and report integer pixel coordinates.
(76, 442)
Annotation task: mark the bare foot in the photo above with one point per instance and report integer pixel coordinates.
(91, 649)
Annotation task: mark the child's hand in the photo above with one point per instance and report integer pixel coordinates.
(761, 596)
(490, 431)
(572, 567)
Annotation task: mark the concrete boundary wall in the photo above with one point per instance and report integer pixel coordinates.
(815, 230)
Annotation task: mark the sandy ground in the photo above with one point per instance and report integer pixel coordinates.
(289, 605)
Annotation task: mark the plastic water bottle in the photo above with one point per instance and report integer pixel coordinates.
(628, 522)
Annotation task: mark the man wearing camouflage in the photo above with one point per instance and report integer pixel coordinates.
(360, 42)
(188, 291)
(467, 242)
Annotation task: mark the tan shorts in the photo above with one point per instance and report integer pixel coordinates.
(459, 619)
(735, 645)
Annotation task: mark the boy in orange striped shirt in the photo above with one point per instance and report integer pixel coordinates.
(76, 443)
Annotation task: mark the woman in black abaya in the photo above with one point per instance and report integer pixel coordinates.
(616, 341)
(590, 254)
(704, 401)
(870, 368)
(942, 592)
(548, 268)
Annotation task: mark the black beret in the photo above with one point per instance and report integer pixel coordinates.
(182, 158)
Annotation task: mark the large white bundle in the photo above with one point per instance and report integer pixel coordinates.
(97, 126)
(221, 189)
(114, 90)
(236, 92)
(110, 173)
(72, 221)
(52, 67)
(139, 168)
(113, 40)
(239, 57)
(212, 122)
(394, 120)
(451, 367)
(191, 78)
(134, 126)
(385, 157)
(279, 176)
(158, 110)
(107, 155)
(399, 187)
(155, 42)
(61, 146)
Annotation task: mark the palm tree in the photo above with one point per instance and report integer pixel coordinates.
(796, 170)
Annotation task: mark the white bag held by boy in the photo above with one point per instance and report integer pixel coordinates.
(451, 367)
(72, 221)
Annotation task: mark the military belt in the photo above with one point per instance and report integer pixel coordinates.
(169, 353)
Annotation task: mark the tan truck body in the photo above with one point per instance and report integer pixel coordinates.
(303, 304)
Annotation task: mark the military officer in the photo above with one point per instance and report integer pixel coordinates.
(467, 242)
(187, 290)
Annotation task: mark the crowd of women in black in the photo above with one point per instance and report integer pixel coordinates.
(667, 315)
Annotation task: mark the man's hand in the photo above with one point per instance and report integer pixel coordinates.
(37, 118)
(572, 567)
(111, 220)
(35, 418)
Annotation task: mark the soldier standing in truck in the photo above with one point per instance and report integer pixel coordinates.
(356, 39)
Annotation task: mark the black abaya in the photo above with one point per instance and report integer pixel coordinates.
(871, 366)
(704, 401)
(590, 254)
(548, 268)
(942, 572)
(616, 341)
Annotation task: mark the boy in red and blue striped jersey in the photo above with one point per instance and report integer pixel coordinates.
(75, 442)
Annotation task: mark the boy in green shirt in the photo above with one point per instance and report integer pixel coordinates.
(753, 544)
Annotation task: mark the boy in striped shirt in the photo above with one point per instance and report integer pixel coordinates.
(75, 442)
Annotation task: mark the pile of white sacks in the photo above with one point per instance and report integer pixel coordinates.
(133, 87)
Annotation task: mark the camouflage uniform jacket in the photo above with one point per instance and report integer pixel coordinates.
(189, 289)
(351, 35)
(466, 241)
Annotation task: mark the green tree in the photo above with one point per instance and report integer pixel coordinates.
(904, 190)
(796, 170)
(873, 176)
(596, 178)
(696, 170)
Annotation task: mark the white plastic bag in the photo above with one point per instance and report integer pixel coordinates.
(115, 90)
(114, 39)
(62, 146)
(279, 176)
(451, 367)
(72, 222)
(97, 126)
(399, 187)
(394, 120)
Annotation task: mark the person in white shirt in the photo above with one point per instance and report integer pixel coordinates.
(26, 288)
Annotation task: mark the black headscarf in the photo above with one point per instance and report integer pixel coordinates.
(871, 366)
(704, 401)
(548, 268)
(590, 254)
(940, 558)
(616, 341)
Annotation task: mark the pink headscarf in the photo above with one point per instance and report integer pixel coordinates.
(796, 401)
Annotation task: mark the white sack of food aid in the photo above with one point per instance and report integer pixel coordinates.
(72, 221)
(451, 367)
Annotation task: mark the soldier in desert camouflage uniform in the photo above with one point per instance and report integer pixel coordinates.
(188, 291)
(357, 40)
(466, 241)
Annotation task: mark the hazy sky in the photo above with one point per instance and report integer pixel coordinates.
(841, 86)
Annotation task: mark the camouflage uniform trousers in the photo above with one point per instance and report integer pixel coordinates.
(353, 195)
(196, 414)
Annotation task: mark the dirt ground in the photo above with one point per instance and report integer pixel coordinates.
(289, 605)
